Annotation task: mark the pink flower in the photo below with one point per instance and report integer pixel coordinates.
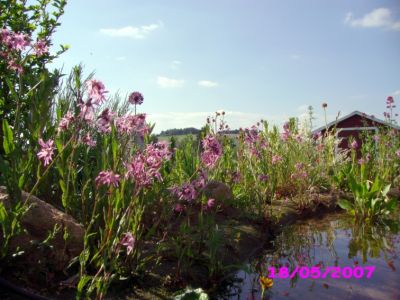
(212, 151)
(107, 178)
(179, 208)
(200, 182)
(299, 166)
(46, 152)
(128, 241)
(96, 91)
(187, 192)
(87, 111)
(263, 177)
(145, 167)
(354, 144)
(19, 41)
(376, 138)
(13, 65)
(251, 135)
(40, 48)
(5, 36)
(276, 159)
(87, 140)
(398, 153)
(210, 203)
(135, 98)
(104, 120)
(65, 122)
(361, 161)
(131, 123)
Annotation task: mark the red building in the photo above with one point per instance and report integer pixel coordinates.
(353, 124)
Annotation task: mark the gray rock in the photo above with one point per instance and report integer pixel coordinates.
(218, 191)
(38, 222)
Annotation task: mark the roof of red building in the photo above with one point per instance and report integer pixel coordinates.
(357, 113)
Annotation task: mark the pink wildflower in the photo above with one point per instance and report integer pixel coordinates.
(179, 208)
(187, 192)
(104, 120)
(107, 178)
(96, 91)
(19, 41)
(212, 151)
(5, 36)
(135, 98)
(200, 182)
(87, 111)
(251, 135)
(131, 123)
(286, 131)
(87, 140)
(276, 159)
(354, 144)
(41, 48)
(145, 167)
(46, 152)
(398, 153)
(210, 203)
(65, 122)
(128, 241)
(13, 65)
(263, 177)
(299, 166)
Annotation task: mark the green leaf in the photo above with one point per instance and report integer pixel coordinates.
(8, 142)
(386, 190)
(345, 204)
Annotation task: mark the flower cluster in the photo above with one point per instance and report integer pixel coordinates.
(300, 171)
(108, 178)
(105, 120)
(14, 43)
(128, 241)
(145, 167)
(96, 96)
(286, 132)
(276, 159)
(128, 124)
(65, 122)
(46, 152)
(87, 140)
(212, 151)
(188, 192)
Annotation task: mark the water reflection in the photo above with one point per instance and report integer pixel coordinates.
(331, 241)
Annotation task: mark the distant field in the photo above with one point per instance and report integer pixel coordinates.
(178, 138)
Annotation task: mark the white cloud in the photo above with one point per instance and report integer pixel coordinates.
(132, 32)
(396, 93)
(380, 17)
(175, 64)
(207, 83)
(166, 82)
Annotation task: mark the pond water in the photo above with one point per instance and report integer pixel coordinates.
(333, 240)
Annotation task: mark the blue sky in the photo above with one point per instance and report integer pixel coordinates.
(254, 59)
